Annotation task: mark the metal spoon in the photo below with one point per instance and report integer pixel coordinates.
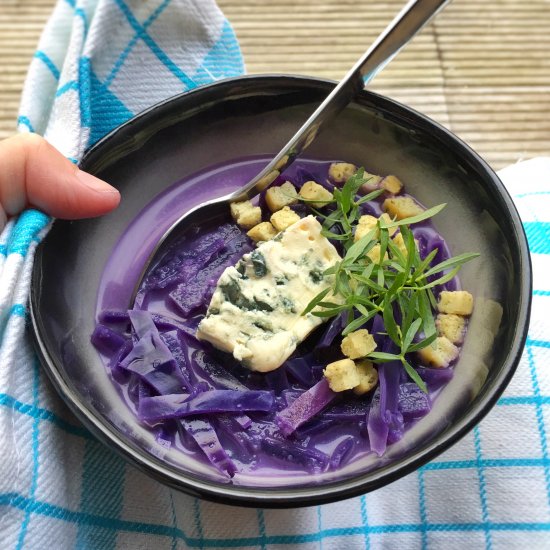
(401, 30)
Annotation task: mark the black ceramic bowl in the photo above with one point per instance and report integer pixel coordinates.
(255, 116)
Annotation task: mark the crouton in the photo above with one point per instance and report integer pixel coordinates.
(312, 191)
(246, 214)
(374, 254)
(342, 375)
(400, 243)
(402, 207)
(262, 232)
(459, 302)
(440, 353)
(371, 184)
(387, 219)
(451, 326)
(368, 376)
(358, 344)
(364, 226)
(284, 218)
(277, 198)
(392, 184)
(339, 172)
(367, 223)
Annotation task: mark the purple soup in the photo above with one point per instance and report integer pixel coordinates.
(205, 403)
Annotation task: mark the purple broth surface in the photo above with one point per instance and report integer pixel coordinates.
(328, 434)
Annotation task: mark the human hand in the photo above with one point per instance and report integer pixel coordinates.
(33, 173)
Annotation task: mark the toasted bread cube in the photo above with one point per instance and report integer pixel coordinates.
(246, 214)
(402, 207)
(368, 223)
(339, 172)
(374, 254)
(400, 243)
(284, 218)
(361, 231)
(342, 375)
(373, 182)
(459, 302)
(262, 232)
(392, 184)
(279, 197)
(358, 344)
(312, 191)
(440, 353)
(364, 226)
(451, 326)
(368, 376)
(387, 219)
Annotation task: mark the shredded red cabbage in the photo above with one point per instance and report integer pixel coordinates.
(206, 438)
(191, 295)
(313, 459)
(353, 409)
(152, 361)
(413, 403)
(105, 340)
(162, 407)
(305, 407)
(184, 265)
(435, 378)
(342, 453)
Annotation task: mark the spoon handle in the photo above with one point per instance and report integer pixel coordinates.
(407, 23)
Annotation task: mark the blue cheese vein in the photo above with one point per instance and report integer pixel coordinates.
(255, 312)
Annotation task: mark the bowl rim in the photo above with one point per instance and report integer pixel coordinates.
(268, 497)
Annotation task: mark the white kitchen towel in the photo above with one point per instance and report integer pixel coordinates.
(98, 63)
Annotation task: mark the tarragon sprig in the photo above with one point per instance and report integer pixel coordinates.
(399, 287)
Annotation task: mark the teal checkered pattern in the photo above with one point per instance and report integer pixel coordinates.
(100, 62)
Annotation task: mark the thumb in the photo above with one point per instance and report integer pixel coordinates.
(34, 173)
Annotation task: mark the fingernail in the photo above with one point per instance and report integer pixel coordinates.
(94, 183)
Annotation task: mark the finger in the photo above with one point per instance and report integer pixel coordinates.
(34, 173)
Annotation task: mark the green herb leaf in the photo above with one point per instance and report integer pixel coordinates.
(326, 313)
(358, 323)
(407, 303)
(369, 282)
(425, 311)
(315, 301)
(457, 261)
(414, 376)
(384, 239)
(411, 333)
(371, 196)
(442, 280)
(381, 357)
(335, 236)
(349, 189)
(389, 321)
(421, 267)
(360, 247)
(427, 214)
(422, 344)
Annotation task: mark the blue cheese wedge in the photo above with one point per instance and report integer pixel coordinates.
(255, 312)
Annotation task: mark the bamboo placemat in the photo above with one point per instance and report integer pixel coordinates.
(482, 69)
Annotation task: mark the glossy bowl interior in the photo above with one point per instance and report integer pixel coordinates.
(255, 116)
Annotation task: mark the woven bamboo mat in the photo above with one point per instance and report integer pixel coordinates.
(482, 69)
